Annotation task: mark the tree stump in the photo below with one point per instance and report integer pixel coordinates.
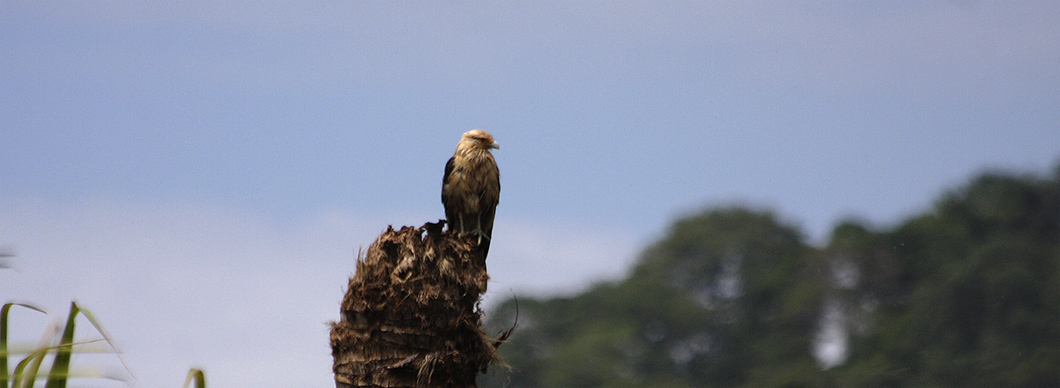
(410, 317)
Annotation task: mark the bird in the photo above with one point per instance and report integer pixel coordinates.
(471, 188)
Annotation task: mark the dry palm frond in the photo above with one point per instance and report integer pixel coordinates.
(410, 317)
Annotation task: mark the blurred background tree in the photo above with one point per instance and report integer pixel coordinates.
(966, 294)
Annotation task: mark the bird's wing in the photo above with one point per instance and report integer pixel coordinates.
(445, 179)
(445, 190)
(491, 196)
(486, 213)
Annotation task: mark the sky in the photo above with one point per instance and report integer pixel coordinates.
(201, 175)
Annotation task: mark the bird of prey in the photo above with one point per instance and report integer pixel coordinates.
(471, 188)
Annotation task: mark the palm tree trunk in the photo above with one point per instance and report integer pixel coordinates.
(410, 317)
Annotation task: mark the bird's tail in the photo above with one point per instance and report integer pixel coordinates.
(483, 247)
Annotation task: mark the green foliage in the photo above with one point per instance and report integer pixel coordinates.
(702, 308)
(4, 312)
(966, 294)
(27, 371)
(61, 363)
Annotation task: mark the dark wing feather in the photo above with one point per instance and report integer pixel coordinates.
(449, 216)
(491, 194)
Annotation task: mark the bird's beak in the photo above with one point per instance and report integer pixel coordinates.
(495, 146)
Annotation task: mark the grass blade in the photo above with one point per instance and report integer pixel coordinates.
(3, 338)
(26, 378)
(61, 364)
(99, 328)
(197, 375)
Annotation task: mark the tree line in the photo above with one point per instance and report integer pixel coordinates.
(964, 294)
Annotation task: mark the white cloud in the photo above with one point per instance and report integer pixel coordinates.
(553, 259)
(189, 285)
(239, 295)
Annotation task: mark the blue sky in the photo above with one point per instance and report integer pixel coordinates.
(201, 175)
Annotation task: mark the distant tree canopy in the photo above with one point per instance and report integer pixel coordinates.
(967, 294)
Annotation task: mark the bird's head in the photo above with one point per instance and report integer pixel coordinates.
(479, 139)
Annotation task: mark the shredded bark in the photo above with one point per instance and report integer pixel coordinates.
(411, 316)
